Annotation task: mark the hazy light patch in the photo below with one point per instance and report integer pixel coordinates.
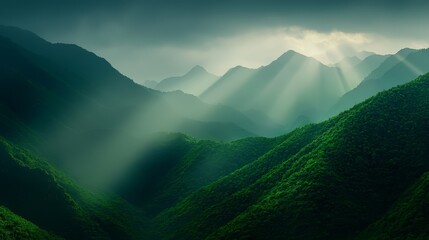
(279, 83)
(289, 99)
(343, 83)
(409, 65)
(231, 83)
(328, 47)
(347, 72)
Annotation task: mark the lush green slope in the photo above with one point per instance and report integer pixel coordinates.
(210, 207)
(326, 181)
(177, 165)
(36, 191)
(13, 227)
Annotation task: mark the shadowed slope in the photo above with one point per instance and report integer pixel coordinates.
(14, 227)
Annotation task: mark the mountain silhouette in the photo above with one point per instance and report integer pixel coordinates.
(194, 82)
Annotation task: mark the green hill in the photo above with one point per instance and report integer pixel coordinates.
(332, 180)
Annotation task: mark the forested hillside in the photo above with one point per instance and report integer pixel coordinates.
(326, 181)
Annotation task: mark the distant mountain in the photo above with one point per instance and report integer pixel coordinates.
(364, 54)
(390, 62)
(82, 81)
(397, 69)
(355, 70)
(150, 84)
(194, 82)
(369, 64)
(345, 178)
(292, 90)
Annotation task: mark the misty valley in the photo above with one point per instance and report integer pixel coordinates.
(294, 149)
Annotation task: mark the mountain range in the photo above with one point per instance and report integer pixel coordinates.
(73, 104)
(399, 68)
(318, 91)
(293, 89)
(93, 83)
(86, 153)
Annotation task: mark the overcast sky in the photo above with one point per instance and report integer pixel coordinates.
(151, 40)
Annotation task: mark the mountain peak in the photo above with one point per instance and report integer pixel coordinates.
(285, 57)
(198, 69)
(363, 54)
(405, 51)
(290, 53)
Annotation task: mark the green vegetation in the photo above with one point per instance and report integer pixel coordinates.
(331, 181)
(13, 226)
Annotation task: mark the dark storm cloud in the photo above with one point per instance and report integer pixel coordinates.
(191, 21)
